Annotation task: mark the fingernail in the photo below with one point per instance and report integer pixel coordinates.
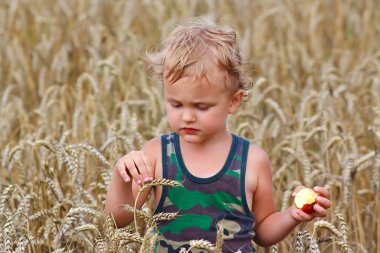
(126, 179)
(150, 178)
(138, 181)
(146, 179)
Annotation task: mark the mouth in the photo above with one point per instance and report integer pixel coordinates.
(190, 130)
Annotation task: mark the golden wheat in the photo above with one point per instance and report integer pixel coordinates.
(75, 97)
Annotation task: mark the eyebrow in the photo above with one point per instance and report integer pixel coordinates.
(193, 103)
(173, 100)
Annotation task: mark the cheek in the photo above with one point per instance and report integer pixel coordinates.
(172, 117)
(218, 120)
(211, 120)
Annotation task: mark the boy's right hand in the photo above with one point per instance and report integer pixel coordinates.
(136, 165)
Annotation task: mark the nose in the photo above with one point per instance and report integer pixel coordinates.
(188, 115)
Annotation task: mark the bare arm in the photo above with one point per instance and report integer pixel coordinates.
(273, 226)
(131, 171)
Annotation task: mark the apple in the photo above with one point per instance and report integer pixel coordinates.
(305, 199)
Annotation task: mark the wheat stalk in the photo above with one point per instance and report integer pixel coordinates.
(13, 152)
(299, 246)
(312, 243)
(41, 213)
(149, 241)
(201, 244)
(85, 227)
(128, 237)
(219, 240)
(329, 226)
(56, 189)
(7, 234)
(306, 165)
(76, 84)
(25, 205)
(160, 181)
(4, 160)
(84, 210)
(163, 216)
(101, 245)
(21, 245)
(93, 151)
(138, 213)
(5, 195)
(348, 165)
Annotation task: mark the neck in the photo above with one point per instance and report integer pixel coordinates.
(219, 140)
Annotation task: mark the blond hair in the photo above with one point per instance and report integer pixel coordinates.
(197, 46)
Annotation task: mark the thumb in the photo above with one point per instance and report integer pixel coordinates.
(297, 189)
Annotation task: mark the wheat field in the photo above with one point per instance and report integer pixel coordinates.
(75, 96)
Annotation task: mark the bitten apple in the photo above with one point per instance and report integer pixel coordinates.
(305, 199)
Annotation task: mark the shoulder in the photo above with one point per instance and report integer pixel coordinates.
(258, 167)
(153, 143)
(153, 147)
(257, 156)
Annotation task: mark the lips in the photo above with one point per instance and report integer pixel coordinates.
(189, 130)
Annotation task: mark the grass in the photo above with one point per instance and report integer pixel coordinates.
(75, 97)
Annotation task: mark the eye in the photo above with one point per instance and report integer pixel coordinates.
(175, 105)
(203, 107)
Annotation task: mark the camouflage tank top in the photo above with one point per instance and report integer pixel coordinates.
(204, 204)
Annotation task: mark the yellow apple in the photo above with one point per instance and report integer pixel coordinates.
(305, 199)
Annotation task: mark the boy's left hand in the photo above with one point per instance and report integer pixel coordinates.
(319, 209)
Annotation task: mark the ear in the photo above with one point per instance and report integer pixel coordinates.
(235, 101)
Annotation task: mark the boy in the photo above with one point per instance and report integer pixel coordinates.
(226, 181)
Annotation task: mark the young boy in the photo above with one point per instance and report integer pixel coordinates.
(226, 181)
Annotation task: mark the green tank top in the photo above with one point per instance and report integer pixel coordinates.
(204, 204)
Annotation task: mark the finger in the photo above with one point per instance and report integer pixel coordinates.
(120, 166)
(322, 191)
(303, 216)
(323, 202)
(297, 189)
(148, 167)
(319, 211)
(132, 168)
(141, 166)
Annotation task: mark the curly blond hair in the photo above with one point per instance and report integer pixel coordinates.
(196, 47)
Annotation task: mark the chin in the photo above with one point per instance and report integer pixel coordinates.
(191, 138)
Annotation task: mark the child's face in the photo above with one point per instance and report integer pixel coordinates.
(197, 109)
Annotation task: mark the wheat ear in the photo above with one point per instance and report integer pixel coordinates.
(161, 181)
(201, 244)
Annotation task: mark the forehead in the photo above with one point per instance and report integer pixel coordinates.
(210, 86)
(199, 74)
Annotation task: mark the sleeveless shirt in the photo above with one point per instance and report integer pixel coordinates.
(204, 204)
